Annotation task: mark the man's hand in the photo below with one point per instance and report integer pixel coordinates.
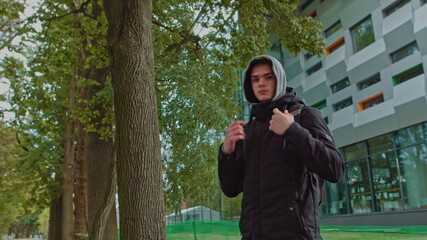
(280, 121)
(233, 133)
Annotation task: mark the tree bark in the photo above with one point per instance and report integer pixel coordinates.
(55, 219)
(139, 172)
(80, 189)
(68, 172)
(104, 225)
(101, 173)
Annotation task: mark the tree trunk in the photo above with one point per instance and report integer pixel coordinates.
(80, 189)
(139, 172)
(104, 222)
(101, 172)
(55, 219)
(68, 172)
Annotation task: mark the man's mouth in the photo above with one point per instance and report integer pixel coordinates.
(263, 92)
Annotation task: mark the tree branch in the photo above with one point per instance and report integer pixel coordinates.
(19, 142)
(176, 46)
(81, 9)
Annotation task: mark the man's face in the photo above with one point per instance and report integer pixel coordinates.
(263, 82)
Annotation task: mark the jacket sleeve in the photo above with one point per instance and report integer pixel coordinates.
(315, 145)
(230, 171)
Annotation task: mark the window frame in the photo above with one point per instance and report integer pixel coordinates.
(320, 104)
(342, 102)
(355, 47)
(305, 4)
(335, 90)
(328, 32)
(408, 73)
(313, 13)
(390, 9)
(307, 56)
(334, 46)
(370, 80)
(411, 44)
(365, 104)
(313, 69)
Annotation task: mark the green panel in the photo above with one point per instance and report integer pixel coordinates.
(404, 72)
(320, 104)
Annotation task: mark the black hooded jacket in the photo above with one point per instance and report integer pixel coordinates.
(281, 177)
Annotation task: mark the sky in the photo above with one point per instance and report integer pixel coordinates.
(4, 83)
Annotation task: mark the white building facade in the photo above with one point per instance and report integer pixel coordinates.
(370, 87)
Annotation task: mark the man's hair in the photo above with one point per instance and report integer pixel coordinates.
(258, 61)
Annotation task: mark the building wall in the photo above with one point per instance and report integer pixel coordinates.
(399, 106)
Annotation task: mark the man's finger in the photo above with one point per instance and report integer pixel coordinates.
(234, 132)
(239, 122)
(277, 111)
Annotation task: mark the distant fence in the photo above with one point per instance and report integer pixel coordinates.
(422, 229)
(226, 230)
(203, 230)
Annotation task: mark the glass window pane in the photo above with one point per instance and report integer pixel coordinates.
(332, 29)
(335, 201)
(404, 52)
(343, 104)
(355, 151)
(413, 162)
(381, 143)
(409, 136)
(369, 82)
(387, 182)
(340, 85)
(363, 34)
(314, 68)
(359, 186)
(394, 7)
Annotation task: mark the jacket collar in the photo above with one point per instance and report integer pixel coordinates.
(264, 111)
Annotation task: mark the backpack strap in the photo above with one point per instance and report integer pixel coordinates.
(294, 109)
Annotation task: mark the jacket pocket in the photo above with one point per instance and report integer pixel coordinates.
(295, 221)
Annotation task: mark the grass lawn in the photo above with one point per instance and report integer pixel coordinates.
(371, 236)
(326, 236)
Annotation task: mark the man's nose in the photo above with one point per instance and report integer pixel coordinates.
(262, 82)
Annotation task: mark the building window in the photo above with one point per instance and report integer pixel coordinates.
(404, 52)
(385, 173)
(370, 102)
(332, 29)
(345, 103)
(334, 46)
(305, 4)
(312, 14)
(319, 105)
(362, 34)
(340, 85)
(408, 74)
(369, 81)
(326, 119)
(314, 68)
(394, 7)
(308, 56)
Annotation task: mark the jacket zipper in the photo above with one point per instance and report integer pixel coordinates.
(257, 126)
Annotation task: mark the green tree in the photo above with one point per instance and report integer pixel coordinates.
(197, 47)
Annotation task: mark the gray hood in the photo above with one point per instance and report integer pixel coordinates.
(279, 73)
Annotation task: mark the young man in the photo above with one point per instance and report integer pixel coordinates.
(278, 163)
